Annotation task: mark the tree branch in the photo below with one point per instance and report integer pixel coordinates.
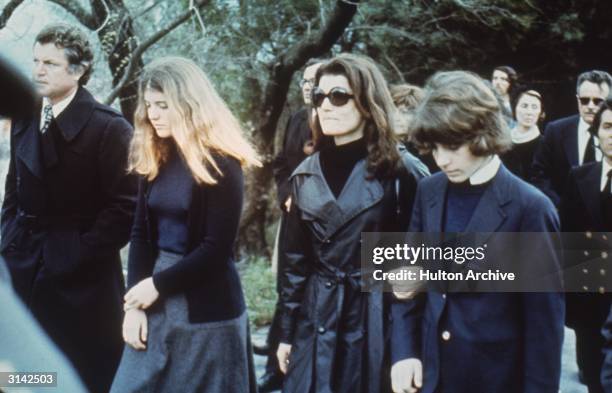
(83, 16)
(7, 11)
(140, 49)
(312, 45)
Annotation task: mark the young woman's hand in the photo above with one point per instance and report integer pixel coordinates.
(142, 295)
(282, 354)
(135, 328)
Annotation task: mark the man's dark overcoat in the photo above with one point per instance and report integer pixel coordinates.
(67, 212)
(555, 156)
(586, 267)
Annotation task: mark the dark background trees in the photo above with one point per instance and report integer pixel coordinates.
(253, 50)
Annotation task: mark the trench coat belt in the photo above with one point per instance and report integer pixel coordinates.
(374, 322)
(339, 279)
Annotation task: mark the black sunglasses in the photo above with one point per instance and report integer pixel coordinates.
(337, 96)
(585, 100)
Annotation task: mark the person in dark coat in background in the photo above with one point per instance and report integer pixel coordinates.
(445, 341)
(528, 111)
(333, 335)
(406, 98)
(567, 142)
(297, 141)
(504, 80)
(68, 208)
(297, 145)
(185, 325)
(586, 212)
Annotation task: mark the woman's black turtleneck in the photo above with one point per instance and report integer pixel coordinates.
(337, 163)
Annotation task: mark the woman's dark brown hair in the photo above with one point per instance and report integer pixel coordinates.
(375, 104)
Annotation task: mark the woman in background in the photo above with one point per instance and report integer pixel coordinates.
(528, 110)
(185, 319)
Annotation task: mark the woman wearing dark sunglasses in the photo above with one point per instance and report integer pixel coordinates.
(333, 334)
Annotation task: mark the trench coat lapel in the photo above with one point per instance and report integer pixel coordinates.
(316, 198)
(590, 193)
(28, 146)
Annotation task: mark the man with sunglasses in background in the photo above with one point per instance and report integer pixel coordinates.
(567, 142)
(297, 145)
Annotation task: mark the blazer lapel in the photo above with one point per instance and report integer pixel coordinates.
(490, 214)
(590, 193)
(28, 146)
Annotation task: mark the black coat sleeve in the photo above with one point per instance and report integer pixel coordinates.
(297, 268)
(571, 207)
(542, 170)
(111, 229)
(140, 259)
(222, 211)
(543, 312)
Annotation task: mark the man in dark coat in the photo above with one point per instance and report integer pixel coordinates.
(586, 209)
(68, 208)
(567, 142)
(23, 344)
(297, 145)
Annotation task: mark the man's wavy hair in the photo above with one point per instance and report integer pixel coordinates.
(375, 104)
(605, 106)
(459, 108)
(75, 44)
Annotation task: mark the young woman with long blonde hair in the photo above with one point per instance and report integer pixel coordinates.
(185, 317)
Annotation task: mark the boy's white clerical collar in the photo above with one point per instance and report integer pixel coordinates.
(486, 172)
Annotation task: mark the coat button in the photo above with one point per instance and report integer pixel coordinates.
(585, 288)
(446, 335)
(586, 253)
(602, 272)
(588, 234)
(321, 330)
(329, 284)
(585, 271)
(443, 296)
(602, 290)
(604, 255)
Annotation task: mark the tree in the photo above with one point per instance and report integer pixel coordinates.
(114, 25)
(252, 229)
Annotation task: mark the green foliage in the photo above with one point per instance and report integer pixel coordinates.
(259, 285)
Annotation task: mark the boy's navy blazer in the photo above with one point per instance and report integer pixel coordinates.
(477, 342)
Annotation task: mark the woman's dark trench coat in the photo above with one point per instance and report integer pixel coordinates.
(338, 334)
